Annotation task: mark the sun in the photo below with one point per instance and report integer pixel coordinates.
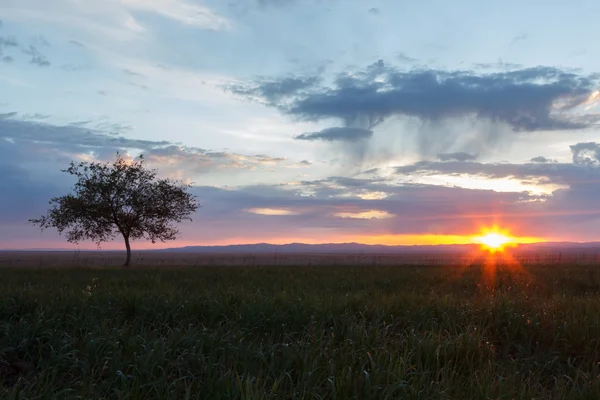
(493, 240)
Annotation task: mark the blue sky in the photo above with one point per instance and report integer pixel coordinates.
(317, 120)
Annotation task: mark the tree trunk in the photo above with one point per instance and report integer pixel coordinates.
(128, 247)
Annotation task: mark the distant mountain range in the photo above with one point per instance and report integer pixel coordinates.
(335, 248)
(344, 248)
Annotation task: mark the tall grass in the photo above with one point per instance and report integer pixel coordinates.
(300, 333)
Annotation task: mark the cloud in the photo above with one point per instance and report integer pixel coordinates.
(273, 91)
(77, 43)
(519, 38)
(331, 209)
(5, 43)
(370, 214)
(71, 139)
(442, 103)
(186, 12)
(271, 211)
(541, 160)
(36, 116)
(586, 153)
(402, 57)
(374, 11)
(460, 156)
(101, 140)
(500, 64)
(337, 134)
(486, 170)
(522, 99)
(37, 58)
(584, 170)
(8, 115)
(525, 99)
(132, 73)
(8, 41)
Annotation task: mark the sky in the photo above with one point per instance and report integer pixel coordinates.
(316, 121)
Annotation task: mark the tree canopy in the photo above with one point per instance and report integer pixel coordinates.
(123, 198)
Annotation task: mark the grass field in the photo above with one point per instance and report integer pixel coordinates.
(372, 332)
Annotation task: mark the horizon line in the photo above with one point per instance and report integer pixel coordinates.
(541, 242)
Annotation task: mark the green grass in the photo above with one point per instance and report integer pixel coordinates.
(300, 333)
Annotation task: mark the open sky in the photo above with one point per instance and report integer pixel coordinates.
(390, 121)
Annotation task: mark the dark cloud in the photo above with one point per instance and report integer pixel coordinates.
(8, 115)
(464, 111)
(337, 134)
(37, 58)
(273, 91)
(586, 153)
(459, 156)
(541, 160)
(525, 99)
(36, 116)
(515, 98)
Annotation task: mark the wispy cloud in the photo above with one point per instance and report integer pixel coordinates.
(271, 211)
(460, 156)
(183, 11)
(519, 38)
(337, 134)
(101, 140)
(370, 214)
(37, 58)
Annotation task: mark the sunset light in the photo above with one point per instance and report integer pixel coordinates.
(495, 239)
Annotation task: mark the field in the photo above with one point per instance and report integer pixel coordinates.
(490, 331)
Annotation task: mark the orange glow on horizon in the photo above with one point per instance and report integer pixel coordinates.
(488, 238)
(495, 239)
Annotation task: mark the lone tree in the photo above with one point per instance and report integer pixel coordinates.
(123, 198)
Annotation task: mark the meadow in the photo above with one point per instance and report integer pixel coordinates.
(489, 331)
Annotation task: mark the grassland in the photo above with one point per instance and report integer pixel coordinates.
(353, 332)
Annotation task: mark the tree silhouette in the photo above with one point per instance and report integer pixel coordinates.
(123, 198)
